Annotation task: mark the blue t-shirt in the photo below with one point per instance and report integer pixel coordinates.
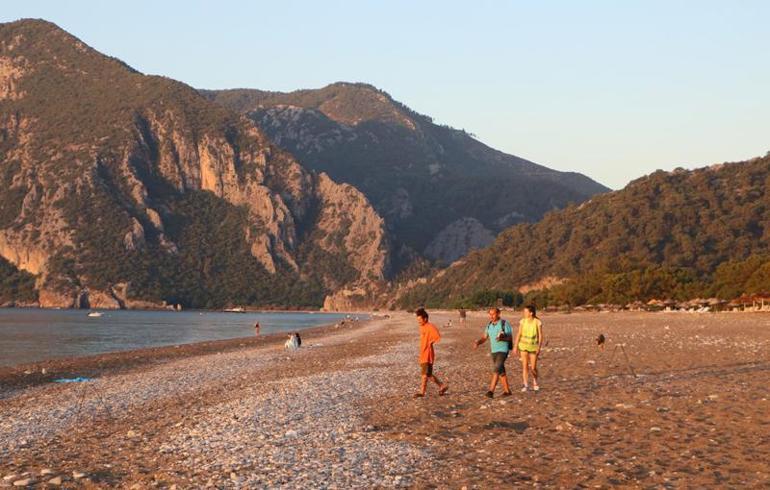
(492, 330)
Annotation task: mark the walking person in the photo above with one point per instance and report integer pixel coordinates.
(499, 333)
(429, 335)
(528, 342)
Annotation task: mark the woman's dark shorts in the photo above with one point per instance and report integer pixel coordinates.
(498, 362)
(426, 368)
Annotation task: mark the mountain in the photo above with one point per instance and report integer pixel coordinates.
(121, 189)
(676, 235)
(441, 191)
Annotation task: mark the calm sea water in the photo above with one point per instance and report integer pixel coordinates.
(28, 335)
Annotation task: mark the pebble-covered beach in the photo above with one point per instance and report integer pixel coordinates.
(688, 407)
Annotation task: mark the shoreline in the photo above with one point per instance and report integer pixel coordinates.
(29, 374)
(246, 309)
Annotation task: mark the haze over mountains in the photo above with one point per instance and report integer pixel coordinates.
(441, 191)
(123, 190)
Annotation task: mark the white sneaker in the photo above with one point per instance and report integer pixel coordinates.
(523, 389)
(536, 388)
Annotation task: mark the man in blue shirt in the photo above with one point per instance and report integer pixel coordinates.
(500, 335)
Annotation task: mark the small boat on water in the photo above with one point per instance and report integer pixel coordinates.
(237, 309)
(95, 314)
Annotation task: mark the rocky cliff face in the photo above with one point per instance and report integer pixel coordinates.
(424, 179)
(457, 239)
(348, 222)
(118, 185)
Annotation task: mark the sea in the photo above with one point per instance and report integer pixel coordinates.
(31, 335)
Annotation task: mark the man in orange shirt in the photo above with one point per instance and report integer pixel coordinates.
(428, 336)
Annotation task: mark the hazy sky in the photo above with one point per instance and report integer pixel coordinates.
(613, 89)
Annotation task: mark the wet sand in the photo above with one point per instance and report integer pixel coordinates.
(691, 409)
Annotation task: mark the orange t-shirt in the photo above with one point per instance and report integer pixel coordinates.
(428, 336)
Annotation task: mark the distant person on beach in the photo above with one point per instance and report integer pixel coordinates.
(299, 339)
(256, 328)
(463, 314)
(291, 342)
(528, 342)
(499, 333)
(428, 336)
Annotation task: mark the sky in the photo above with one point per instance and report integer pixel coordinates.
(611, 89)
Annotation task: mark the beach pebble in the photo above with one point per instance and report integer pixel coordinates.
(57, 480)
(22, 483)
(312, 428)
(78, 475)
(10, 477)
(46, 471)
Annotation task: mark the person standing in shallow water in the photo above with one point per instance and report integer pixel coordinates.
(528, 342)
(499, 333)
(428, 336)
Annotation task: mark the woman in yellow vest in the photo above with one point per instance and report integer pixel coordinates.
(528, 342)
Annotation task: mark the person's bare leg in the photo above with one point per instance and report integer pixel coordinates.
(524, 369)
(493, 383)
(441, 386)
(504, 380)
(533, 369)
(423, 384)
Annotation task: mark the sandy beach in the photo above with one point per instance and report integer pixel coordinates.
(690, 409)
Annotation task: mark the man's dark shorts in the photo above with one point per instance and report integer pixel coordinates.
(498, 362)
(426, 368)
